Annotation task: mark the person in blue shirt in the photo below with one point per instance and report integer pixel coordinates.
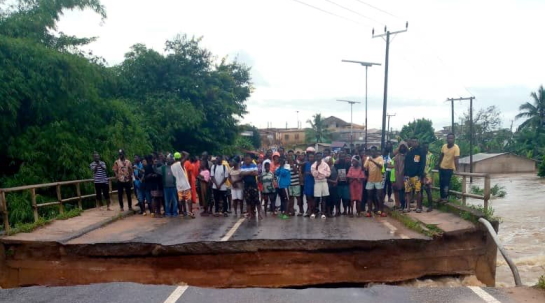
(138, 169)
(309, 184)
(283, 175)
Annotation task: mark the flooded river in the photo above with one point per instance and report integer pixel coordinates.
(522, 230)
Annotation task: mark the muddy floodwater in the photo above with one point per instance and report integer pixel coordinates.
(522, 230)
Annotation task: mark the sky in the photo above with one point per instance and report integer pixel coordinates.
(491, 50)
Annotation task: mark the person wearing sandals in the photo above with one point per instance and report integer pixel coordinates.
(152, 181)
(375, 182)
(183, 183)
(204, 188)
(415, 162)
(283, 176)
(333, 200)
(169, 188)
(320, 171)
(356, 179)
(266, 178)
(295, 185)
(236, 184)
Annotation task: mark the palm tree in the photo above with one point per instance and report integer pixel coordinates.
(318, 130)
(534, 113)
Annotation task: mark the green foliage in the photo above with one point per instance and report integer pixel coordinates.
(541, 168)
(70, 214)
(318, 132)
(496, 191)
(28, 227)
(421, 129)
(541, 282)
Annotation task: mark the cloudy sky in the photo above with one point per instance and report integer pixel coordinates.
(490, 49)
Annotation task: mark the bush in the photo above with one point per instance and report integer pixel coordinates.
(496, 191)
(541, 168)
(541, 282)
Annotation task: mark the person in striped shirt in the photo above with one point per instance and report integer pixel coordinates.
(101, 180)
(295, 186)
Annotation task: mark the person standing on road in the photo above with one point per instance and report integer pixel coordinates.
(387, 156)
(320, 171)
(415, 162)
(343, 191)
(169, 187)
(332, 181)
(237, 185)
(448, 164)
(375, 182)
(283, 176)
(356, 179)
(399, 170)
(100, 177)
(138, 174)
(295, 184)
(184, 193)
(428, 176)
(123, 172)
(219, 175)
(248, 172)
(309, 183)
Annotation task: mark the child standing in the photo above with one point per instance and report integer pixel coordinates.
(267, 178)
(204, 178)
(284, 180)
(355, 176)
(236, 184)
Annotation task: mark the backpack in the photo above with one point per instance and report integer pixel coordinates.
(214, 169)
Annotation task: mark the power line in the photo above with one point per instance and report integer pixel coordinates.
(350, 10)
(378, 9)
(330, 13)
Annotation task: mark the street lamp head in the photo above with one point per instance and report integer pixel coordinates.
(362, 63)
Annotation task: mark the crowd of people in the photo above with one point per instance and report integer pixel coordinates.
(319, 184)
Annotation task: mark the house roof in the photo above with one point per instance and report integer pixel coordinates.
(482, 156)
(338, 144)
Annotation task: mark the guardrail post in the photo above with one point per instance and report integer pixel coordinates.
(78, 192)
(34, 204)
(110, 188)
(59, 197)
(464, 190)
(486, 191)
(4, 208)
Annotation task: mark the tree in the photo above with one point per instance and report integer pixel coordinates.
(255, 139)
(318, 132)
(421, 129)
(487, 133)
(534, 112)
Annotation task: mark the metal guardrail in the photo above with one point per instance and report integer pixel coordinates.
(60, 201)
(464, 194)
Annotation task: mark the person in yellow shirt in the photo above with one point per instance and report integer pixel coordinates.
(375, 182)
(448, 164)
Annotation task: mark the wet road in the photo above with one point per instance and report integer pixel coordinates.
(137, 293)
(174, 231)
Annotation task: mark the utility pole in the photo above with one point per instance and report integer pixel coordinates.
(297, 120)
(367, 65)
(452, 114)
(470, 129)
(393, 115)
(351, 104)
(386, 34)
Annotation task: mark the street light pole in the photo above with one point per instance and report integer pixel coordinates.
(389, 116)
(297, 120)
(351, 124)
(367, 65)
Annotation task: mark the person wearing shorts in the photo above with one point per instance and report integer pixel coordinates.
(415, 163)
(248, 172)
(320, 171)
(294, 190)
(375, 182)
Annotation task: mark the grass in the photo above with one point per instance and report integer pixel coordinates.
(29, 227)
(496, 191)
(541, 282)
(429, 230)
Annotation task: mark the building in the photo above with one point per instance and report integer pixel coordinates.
(498, 164)
(276, 137)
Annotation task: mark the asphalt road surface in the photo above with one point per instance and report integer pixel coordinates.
(137, 293)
